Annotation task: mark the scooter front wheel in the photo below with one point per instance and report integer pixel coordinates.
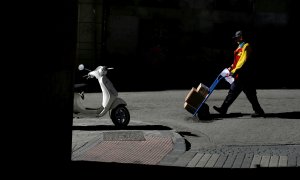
(120, 116)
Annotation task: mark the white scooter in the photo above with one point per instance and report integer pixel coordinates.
(111, 103)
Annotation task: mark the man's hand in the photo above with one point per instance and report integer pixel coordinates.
(229, 74)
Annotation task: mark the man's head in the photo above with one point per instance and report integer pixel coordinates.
(238, 36)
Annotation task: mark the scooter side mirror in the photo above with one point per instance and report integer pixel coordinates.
(81, 67)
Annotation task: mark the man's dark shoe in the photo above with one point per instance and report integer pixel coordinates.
(220, 110)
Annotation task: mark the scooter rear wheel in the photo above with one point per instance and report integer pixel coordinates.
(120, 116)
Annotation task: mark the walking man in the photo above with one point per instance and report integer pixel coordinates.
(242, 69)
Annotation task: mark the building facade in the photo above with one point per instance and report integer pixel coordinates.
(179, 43)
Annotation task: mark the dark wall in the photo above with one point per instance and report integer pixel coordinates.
(180, 44)
(40, 99)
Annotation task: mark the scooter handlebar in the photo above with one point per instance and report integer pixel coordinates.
(87, 76)
(81, 67)
(90, 74)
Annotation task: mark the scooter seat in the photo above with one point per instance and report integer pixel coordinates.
(78, 86)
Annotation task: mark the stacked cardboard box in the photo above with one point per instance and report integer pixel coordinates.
(202, 89)
(195, 97)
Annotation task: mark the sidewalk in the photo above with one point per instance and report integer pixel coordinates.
(162, 134)
(168, 148)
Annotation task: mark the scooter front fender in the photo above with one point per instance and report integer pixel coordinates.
(118, 101)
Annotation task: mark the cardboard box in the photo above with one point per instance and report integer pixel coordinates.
(194, 98)
(189, 108)
(189, 94)
(202, 89)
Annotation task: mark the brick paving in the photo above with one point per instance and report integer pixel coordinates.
(167, 148)
(242, 157)
(136, 147)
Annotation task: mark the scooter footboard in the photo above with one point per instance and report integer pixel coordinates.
(78, 106)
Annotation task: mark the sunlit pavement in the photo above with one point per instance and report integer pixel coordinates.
(162, 133)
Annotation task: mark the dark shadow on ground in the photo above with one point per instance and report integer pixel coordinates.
(85, 169)
(284, 115)
(229, 115)
(213, 117)
(112, 127)
(186, 133)
(187, 143)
